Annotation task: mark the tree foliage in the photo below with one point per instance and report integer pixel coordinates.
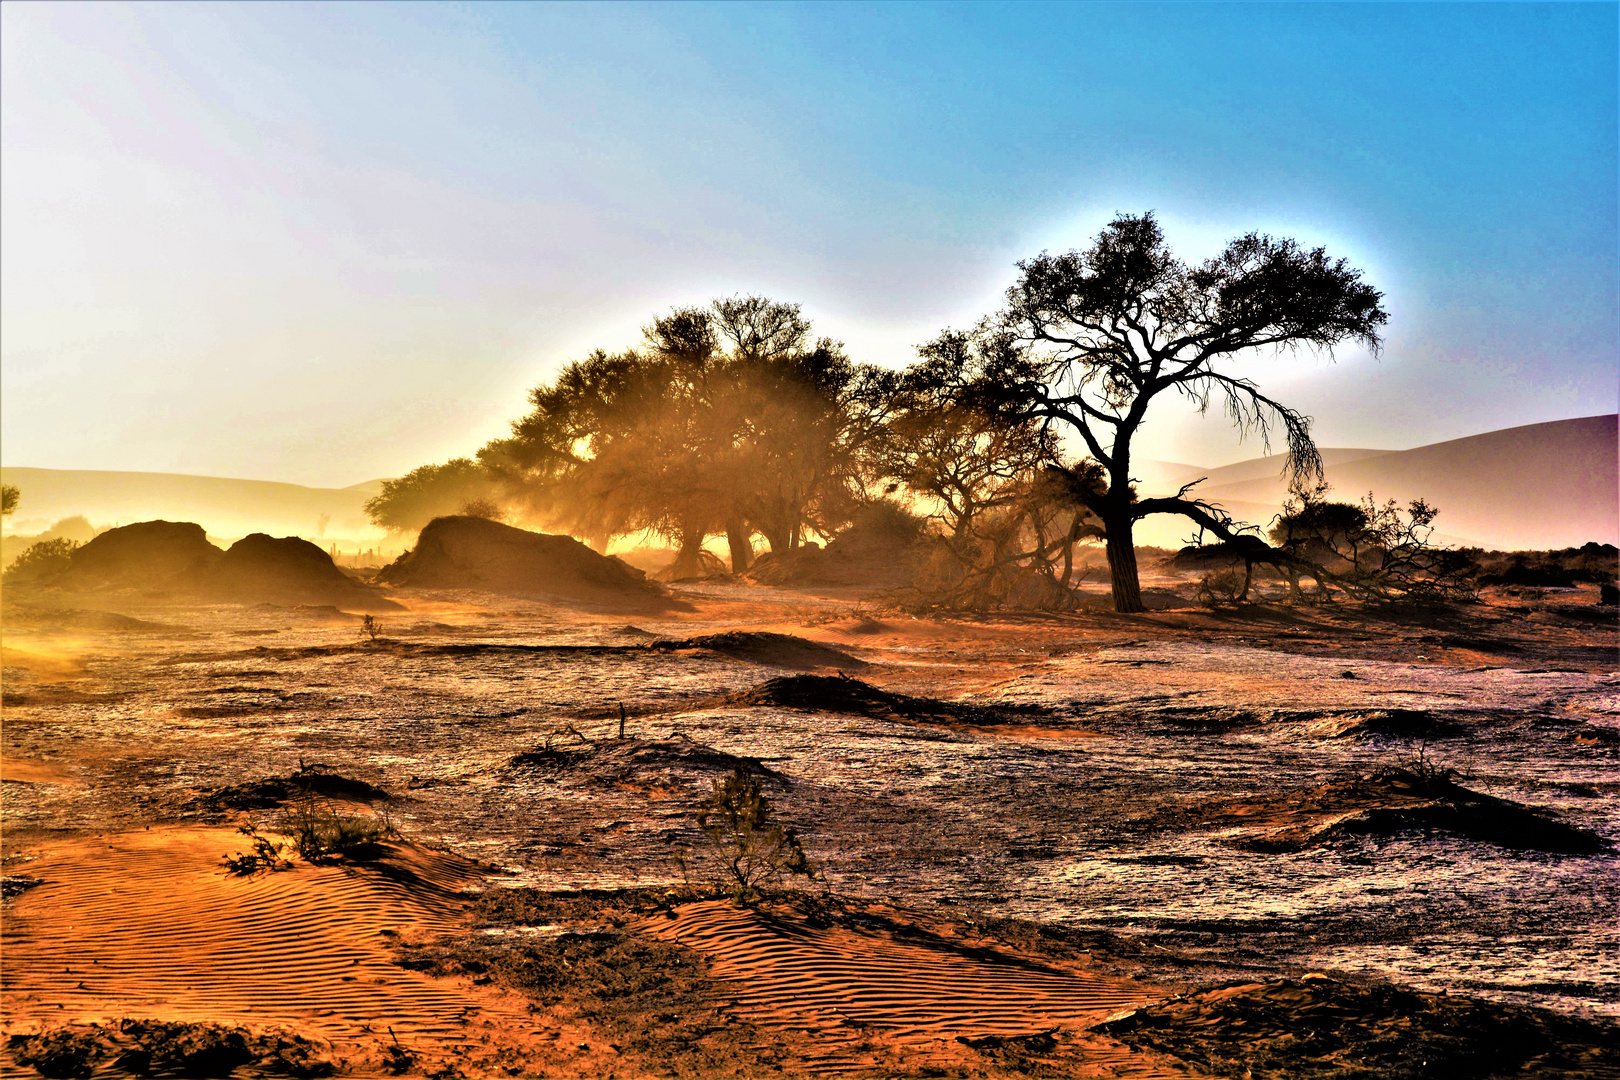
(729, 419)
(42, 561)
(1008, 520)
(1095, 335)
(407, 504)
(9, 498)
(753, 850)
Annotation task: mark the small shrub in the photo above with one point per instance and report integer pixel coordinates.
(370, 628)
(752, 851)
(42, 561)
(1221, 587)
(319, 833)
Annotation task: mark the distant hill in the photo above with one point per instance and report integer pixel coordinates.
(224, 507)
(1539, 486)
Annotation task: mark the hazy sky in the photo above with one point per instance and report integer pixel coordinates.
(329, 243)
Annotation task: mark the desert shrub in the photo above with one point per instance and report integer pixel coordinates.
(370, 628)
(42, 561)
(750, 851)
(482, 508)
(884, 519)
(265, 856)
(1374, 551)
(320, 833)
(1220, 588)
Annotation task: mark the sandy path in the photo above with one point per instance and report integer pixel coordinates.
(852, 989)
(146, 925)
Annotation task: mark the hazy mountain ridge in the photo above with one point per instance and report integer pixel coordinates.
(1547, 485)
(223, 506)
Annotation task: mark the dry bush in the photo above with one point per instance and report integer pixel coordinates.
(1221, 588)
(751, 852)
(1370, 551)
(319, 833)
(265, 856)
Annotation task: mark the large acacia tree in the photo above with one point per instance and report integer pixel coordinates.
(729, 419)
(1105, 331)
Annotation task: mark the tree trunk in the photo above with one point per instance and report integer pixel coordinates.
(777, 538)
(599, 542)
(687, 564)
(1122, 565)
(741, 540)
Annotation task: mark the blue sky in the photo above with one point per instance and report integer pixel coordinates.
(322, 244)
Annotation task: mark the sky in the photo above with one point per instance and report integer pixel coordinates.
(324, 244)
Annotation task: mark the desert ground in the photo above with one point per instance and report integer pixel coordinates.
(1265, 841)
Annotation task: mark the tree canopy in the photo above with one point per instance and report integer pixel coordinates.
(413, 500)
(1094, 336)
(728, 419)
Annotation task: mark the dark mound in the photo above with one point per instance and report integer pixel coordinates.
(776, 650)
(1385, 803)
(1220, 556)
(475, 553)
(285, 570)
(832, 694)
(156, 1047)
(1319, 1027)
(639, 761)
(275, 791)
(1400, 723)
(145, 554)
(1523, 572)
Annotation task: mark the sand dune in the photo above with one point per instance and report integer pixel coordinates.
(1547, 485)
(842, 985)
(146, 925)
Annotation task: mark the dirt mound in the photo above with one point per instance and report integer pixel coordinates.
(476, 553)
(147, 1047)
(640, 761)
(1399, 723)
(80, 619)
(274, 791)
(1384, 803)
(285, 570)
(833, 694)
(775, 650)
(142, 555)
(1319, 1027)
